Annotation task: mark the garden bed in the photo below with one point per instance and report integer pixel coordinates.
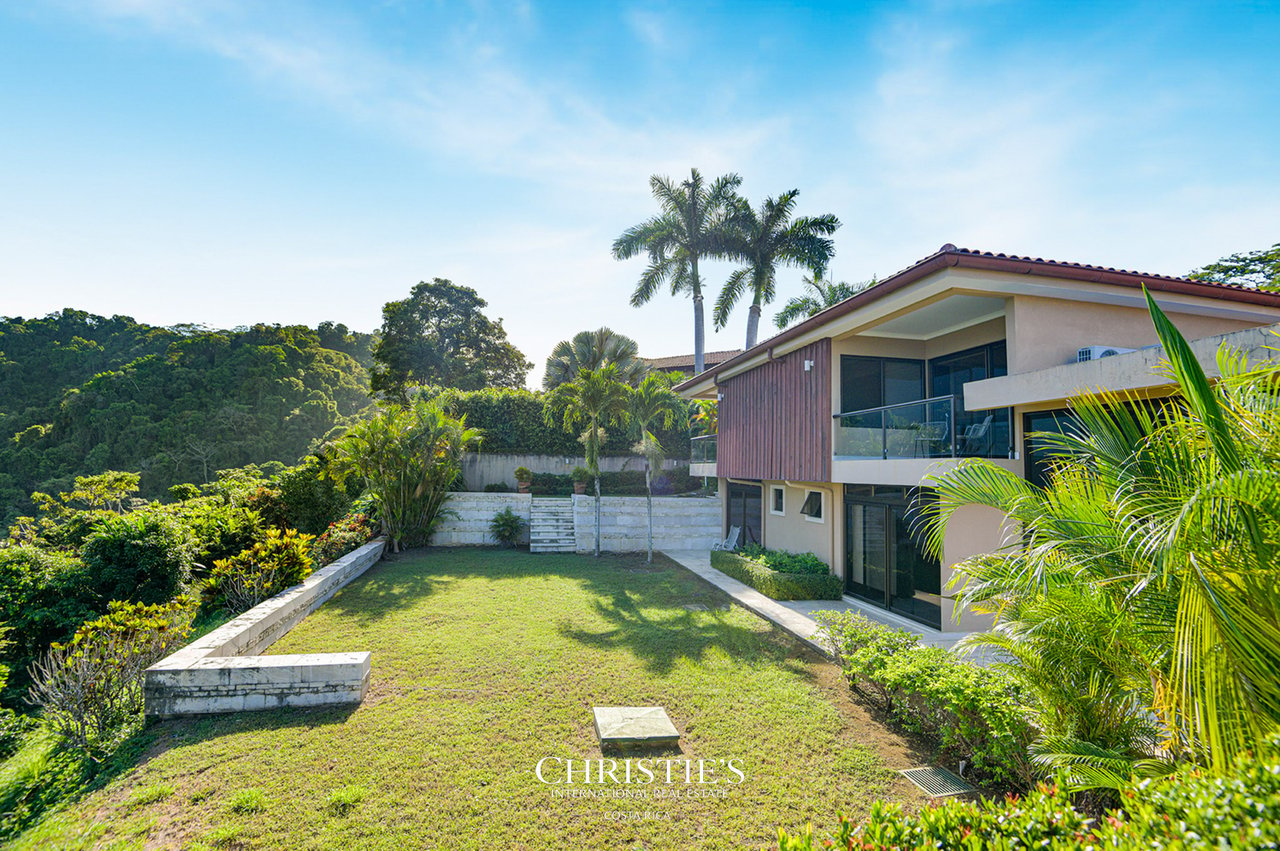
(775, 583)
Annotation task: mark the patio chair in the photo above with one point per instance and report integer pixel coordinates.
(929, 435)
(977, 436)
(730, 542)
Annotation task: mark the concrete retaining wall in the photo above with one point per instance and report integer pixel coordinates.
(217, 673)
(473, 513)
(480, 468)
(679, 523)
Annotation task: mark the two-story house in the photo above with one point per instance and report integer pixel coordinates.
(830, 431)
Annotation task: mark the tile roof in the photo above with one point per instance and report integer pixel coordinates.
(710, 358)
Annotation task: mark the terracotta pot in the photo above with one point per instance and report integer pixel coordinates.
(523, 487)
(579, 487)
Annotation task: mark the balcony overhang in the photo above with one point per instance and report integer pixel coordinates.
(1134, 371)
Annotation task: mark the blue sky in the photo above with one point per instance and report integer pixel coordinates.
(229, 162)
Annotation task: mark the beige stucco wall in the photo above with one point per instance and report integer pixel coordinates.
(1046, 332)
(792, 530)
(973, 530)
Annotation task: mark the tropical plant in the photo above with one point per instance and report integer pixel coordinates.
(705, 416)
(1139, 602)
(653, 403)
(592, 350)
(764, 239)
(694, 223)
(523, 474)
(144, 556)
(280, 560)
(580, 474)
(597, 400)
(343, 536)
(408, 457)
(507, 527)
(822, 293)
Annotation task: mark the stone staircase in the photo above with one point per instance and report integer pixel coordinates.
(551, 525)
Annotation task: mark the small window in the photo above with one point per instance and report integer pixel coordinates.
(812, 508)
(779, 504)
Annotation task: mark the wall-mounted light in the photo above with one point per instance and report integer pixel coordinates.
(808, 365)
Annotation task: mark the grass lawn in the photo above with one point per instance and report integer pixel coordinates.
(484, 662)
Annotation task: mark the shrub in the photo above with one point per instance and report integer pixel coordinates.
(219, 529)
(1190, 809)
(523, 474)
(580, 474)
(144, 556)
(623, 483)
(507, 527)
(772, 583)
(497, 487)
(301, 497)
(343, 536)
(92, 685)
(974, 714)
(783, 561)
(279, 561)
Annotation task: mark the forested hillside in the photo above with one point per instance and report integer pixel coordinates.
(80, 394)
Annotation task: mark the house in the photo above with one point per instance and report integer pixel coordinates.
(830, 431)
(683, 364)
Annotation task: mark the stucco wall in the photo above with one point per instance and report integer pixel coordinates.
(793, 531)
(973, 530)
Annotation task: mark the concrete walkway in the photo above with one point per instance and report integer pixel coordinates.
(796, 616)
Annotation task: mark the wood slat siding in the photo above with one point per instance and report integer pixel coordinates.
(775, 421)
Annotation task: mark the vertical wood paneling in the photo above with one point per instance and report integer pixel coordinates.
(775, 421)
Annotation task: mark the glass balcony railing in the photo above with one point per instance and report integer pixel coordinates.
(702, 450)
(928, 428)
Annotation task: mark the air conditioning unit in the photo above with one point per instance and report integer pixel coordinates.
(1088, 353)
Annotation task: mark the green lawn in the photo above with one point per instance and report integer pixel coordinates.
(484, 662)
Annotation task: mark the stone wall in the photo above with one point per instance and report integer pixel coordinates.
(686, 523)
(218, 673)
(679, 523)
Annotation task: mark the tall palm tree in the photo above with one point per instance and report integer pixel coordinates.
(653, 403)
(693, 224)
(591, 350)
(1139, 600)
(597, 399)
(822, 293)
(764, 239)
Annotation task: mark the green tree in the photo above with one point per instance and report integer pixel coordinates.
(591, 350)
(596, 399)
(653, 403)
(408, 458)
(1259, 269)
(764, 239)
(822, 293)
(694, 223)
(1140, 601)
(440, 335)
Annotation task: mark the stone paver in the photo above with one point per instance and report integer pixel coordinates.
(634, 726)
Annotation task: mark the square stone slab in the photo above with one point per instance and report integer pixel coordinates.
(631, 726)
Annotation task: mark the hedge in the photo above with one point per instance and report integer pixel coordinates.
(511, 422)
(974, 714)
(622, 483)
(1189, 809)
(772, 583)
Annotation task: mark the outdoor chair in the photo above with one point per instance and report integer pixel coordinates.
(928, 436)
(730, 542)
(978, 436)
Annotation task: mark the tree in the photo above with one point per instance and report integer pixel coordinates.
(597, 399)
(653, 403)
(764, 239)
(408, 458)
(439, 335)
(823, 293)
(1259, 269)
(1139, 600)
(693, 224)
(591, 350)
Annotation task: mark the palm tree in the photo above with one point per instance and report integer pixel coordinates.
(652, 403)
(823, 293)
(764, 239)
(591, 350)
(693, 224)
(1139, 600)
(597, 399)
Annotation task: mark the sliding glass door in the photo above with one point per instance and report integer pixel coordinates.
(885, 561)
(744, 512)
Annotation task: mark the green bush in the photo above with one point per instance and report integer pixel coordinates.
(779, 586)
(974, 714)
(523, 474)
(507, 527)
(92, 686)
(219, 529)
(302, 498)
(623, 483)
(144, 556)
(343, 536)
(279, 561)
(1188, 810)
(784, 561)
(580, 474)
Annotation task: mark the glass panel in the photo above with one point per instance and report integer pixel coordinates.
(868, 549)
(903, 382)
(860, 384)
(1038, 461)
(702, 450)
(917, 578)
(861, 435)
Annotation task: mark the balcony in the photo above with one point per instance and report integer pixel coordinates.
(928, 428)
(702, 455)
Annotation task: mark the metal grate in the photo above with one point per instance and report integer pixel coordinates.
(937, 782)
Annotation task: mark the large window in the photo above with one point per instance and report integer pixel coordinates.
(977, 433)
(1037, 459)
(874, 382)
(885, 559)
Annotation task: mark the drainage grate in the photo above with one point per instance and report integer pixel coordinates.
(937, 782)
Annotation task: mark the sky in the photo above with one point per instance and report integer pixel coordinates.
(227, 162)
